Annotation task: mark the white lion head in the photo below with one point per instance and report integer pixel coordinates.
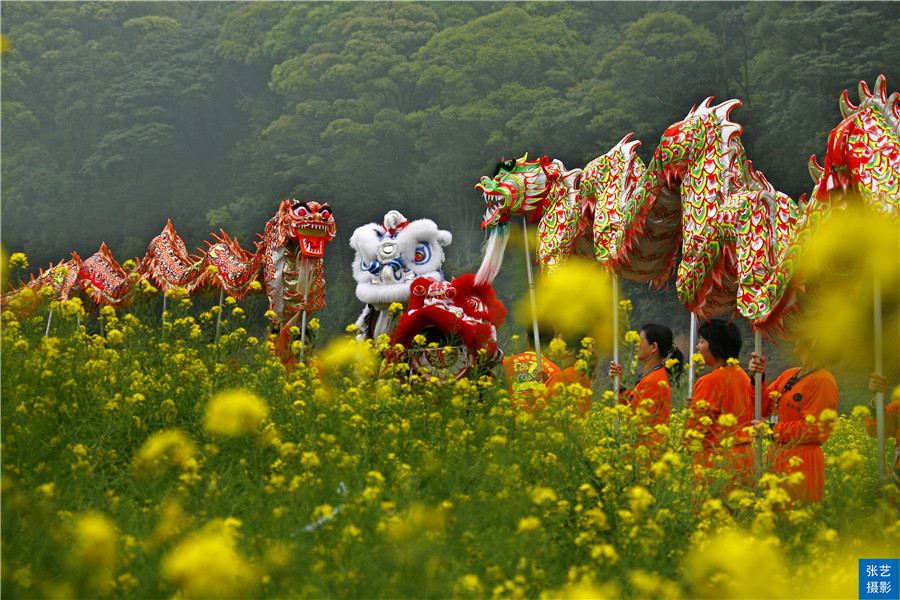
(389, 256)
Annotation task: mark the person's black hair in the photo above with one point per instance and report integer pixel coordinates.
(821, 352)
(662, 337)
(724, 338)
(546, 336)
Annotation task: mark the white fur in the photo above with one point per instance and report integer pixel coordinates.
(373, 242)
(493, 254)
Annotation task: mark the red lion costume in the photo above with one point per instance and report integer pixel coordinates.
(458, 315)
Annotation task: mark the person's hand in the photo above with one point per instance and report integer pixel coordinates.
(615, 370)
(877, 383)
(761, 429)
(757, 363)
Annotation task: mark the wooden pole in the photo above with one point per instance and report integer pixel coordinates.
(615, 297)
(757, 412)
(219, 316)
(307, 268)
(50, 316)
(534, 318)
(690, 354)
(879, 368)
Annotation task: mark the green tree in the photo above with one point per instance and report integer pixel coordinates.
(663, 66)
(813, 52)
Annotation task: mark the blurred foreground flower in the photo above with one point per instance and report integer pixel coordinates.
(95, 540)
(206, 564)
(576, 300)
(852, 251)
(343, 352)
(4, 268)
(170, 446)
(729, 566)
(235, 412)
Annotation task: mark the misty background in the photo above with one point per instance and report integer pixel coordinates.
(117, 116)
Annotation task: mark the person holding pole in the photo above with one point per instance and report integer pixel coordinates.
(721, 408)
(802, 405)
(651, 398)
(878, 384)
(523, 374)
(575, 366)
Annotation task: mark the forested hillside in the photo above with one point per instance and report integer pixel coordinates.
(118, 116)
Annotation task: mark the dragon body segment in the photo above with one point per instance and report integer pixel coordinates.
(740, 239)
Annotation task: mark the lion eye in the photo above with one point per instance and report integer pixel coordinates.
(474, 304)
(423, 253)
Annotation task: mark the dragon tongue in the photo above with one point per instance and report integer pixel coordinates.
(313, 247)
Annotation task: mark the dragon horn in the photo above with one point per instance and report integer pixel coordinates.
(815, 171)
(893, 103)
(847, 107)
(864, 91)
(880, 88)
(525, 158)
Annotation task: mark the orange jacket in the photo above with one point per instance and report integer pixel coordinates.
(653, 386)
(568, 376)
(726, 390)
(797, 436)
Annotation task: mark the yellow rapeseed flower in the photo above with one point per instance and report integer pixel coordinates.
(18, 260)
(727, 420)
(528, 524)
(170, 446)
(729, 566)
(632, 337)
(94, 541)
(469, 584)
(340, 353)
(235, 412)
(539, 495)
(207, 564)
(575, 300)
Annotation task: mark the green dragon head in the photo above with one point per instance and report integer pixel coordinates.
(518, 187)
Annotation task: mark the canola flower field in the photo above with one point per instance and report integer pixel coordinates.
(144, 459)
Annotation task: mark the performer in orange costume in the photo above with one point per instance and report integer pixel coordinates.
(795, 402)
(572, 372)
(724, 391)
(651, 398)
(878, 383)
(523, 375)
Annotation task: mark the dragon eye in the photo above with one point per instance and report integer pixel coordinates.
(325, 213)
(301, 210)
(506, 165)
(423, 253)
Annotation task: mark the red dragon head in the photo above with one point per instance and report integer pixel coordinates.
(458, 320)
(309, 224)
